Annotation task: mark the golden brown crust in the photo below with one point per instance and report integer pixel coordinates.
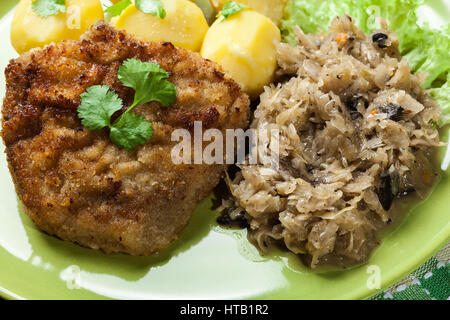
(74, 183)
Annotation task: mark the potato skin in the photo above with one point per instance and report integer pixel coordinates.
(244, 45)
(29, 30)
(73, 182)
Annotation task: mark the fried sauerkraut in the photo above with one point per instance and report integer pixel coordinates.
(356, 134)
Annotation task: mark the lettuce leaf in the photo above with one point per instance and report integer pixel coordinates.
(427, 50)
(442, 96)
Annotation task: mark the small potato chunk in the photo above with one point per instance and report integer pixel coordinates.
(184, 24)
(29, 30)
(273, 9)
(244, 45)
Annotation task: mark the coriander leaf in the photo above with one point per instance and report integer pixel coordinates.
(45, 8)
(230, 8)
(130, 131)
(99, 103)
(132, 71)
(97, 106)
(153, 7)
(149, 81)
(117, 8)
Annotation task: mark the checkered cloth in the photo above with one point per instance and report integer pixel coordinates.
(429, 282)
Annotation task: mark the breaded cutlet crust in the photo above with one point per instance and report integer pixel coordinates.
(75, 183)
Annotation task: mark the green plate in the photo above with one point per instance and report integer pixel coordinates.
(207, 262)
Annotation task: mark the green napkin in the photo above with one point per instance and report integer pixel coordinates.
(429, 282)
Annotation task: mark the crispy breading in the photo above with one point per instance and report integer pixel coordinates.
(75, 183)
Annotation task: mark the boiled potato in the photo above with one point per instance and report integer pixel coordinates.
(270, 8)
(29, 30)
(244, 45)
(81, 15)
(184, 24)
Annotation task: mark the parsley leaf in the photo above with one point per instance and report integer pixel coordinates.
(153, 7)
(230, 8)
(148, 80)
(45, 8)
(99, 103)
(117, 8)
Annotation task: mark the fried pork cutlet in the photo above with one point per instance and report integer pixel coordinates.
(75, 183)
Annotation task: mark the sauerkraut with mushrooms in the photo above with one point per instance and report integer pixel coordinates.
(357, 133)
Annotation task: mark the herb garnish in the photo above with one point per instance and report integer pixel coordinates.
(129, 130)
(117, 8)
(153, 7)
(230, 8)
(45, 8)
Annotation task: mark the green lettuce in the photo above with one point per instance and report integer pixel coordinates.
(441, 95)
(427, 50)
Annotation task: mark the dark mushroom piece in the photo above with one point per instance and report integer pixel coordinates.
(385, 194)
(352, 104)
(393, 111)
(380, 40)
